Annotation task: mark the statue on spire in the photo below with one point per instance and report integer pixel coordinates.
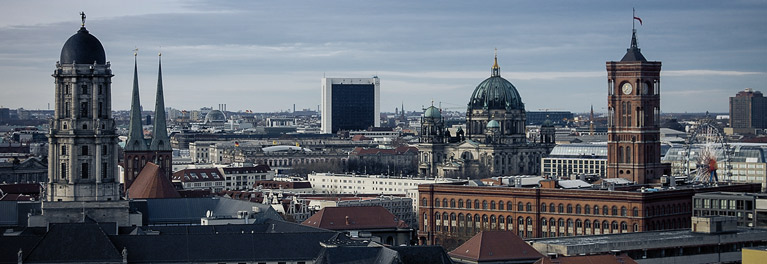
(82, 16)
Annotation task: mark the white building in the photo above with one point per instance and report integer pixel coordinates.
(368, 184)
(350, 103)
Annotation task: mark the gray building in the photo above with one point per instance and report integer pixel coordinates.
(750, 209)
(350, 104)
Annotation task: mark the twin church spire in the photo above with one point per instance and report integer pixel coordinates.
(160, 140)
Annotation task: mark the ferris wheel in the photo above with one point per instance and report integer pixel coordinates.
(706, 143)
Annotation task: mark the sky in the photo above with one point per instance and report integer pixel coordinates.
(266, 56)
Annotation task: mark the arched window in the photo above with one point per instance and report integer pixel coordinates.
(624, 227)
(509, 206)
(493, 224)
(520, 221)
(500, 205)
(552, 208)
(596, 209)
(578, 209)
(476, 204)
(569, 223)
(544, 222)
(615, 210)
(587, 209)
(469, 221)
(436, 202)
(510, 222)
(501, 222)
(636, 227)
(561, 222)
(520, 207)
(636, 211)
(569, 208)
(615, 226)
(460, 203)
(492, 205)
(628, 154)
(543, 207)
(596, 224)
(452, 203)
(587, 224)
(484, 205)
(529, 207)
(605, 226)
(620, 155)
(444, 202)
(605, 210)
(485, 225)
(468, 204)
(624, 211)
(561, 208)
(424, 202)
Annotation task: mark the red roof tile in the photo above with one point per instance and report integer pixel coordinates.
(356, 217)
(495, 246)
(150, 184)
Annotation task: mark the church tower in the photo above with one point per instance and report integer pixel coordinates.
(138, 150)
(82, 163)
(633, 117)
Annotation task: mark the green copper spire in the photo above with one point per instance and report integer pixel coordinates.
(160, 140)
(135, 140)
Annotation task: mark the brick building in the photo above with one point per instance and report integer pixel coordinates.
(450, 214)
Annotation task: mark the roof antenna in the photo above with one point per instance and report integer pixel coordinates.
(82, 16)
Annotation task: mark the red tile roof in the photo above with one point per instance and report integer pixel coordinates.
(593, 259)
(356, 217)
(151, 184)
(495, 246)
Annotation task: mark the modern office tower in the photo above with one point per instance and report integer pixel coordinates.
(350, 103)
(748, 111)
(82, 165)
(634, 107)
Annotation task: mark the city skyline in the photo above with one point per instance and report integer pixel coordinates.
(421, 52)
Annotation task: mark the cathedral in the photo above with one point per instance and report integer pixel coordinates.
(494, 143)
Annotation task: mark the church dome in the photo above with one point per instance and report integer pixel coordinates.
(215, 116)
(493, 124)
(432, 112)
(83, 48)
(496, 93)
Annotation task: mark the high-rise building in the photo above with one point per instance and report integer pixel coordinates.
(350, 103)
(82, 165)
(138, 150)
(748, 111)
(633, 112)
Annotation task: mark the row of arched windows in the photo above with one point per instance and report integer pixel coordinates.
(477, 204)
(588, 209)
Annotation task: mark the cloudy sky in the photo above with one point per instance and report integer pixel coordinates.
(269, 55)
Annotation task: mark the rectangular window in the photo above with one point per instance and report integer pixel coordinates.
(84, 109)
(66, 109)
(84, 151)
(85, 170)
(104, 170)
(84, 88)
(63, 170)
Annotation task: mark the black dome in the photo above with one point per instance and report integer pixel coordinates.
(83, 48)
(496, 93)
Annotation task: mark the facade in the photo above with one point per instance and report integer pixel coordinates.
(368, 184)
(138, 150)
(747, 111)
(374, 222)
(350, 104)
(451, 214)
(82, 164)
(633, 100)
(556, 117)
(749, 209)
(494, 142)
(201, 179)
(244, 178)
(401, 160)
(569, 161)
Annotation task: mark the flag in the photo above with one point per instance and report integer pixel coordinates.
(640, 20)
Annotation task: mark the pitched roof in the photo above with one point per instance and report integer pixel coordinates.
(495, 246)
(80, 242)
(198, 175)
(593, 259)
(150, 183)
(355, 217)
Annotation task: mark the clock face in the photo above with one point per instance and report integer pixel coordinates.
(626, 88)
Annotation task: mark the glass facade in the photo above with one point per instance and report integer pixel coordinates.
(353, 106)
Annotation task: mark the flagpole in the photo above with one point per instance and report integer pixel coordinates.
(633, 22)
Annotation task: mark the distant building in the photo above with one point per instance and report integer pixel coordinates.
(363, 221)
(350, 104)
(572, 160)
(746, 162)
(748, 111)
(749, 209)
(200, 179)
(368, 184)
(556, 117)
(495, 247)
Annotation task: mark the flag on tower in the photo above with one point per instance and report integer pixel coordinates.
(640, 20)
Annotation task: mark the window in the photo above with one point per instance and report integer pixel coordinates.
(444, 202)
(460, 203)
(424, 202)
(468, 204)
(452, 203)
(604, 210)
(615, 210)
(615, 226)
(587, 209)
(552, 208)
(84, 89)
(636, 211)
(578, 209)
(520, 207)
(624, 211)
(85, 170)
(561, 208)
(484, 205)
(543, 207)
(587, 224)
(436, 202)
(624, 227)
(476, 204)
(561, 222)
(500, 205)
(509, 206)
(84, 151)
(63, 150)
(569, 208)
(66, 109)
(84, 109)
(104, 170)
(63, 170)
(492, 205)
(104, 150)
(529, 207)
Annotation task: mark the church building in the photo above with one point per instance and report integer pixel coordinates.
(494, 143)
